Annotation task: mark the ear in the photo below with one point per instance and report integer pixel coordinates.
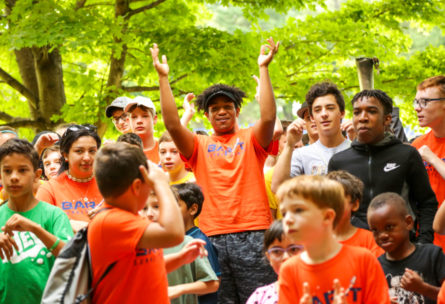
(342, 114)
(155, 119)
(193, 210)
(136, 186)
(37, 174)
(329, 216)
(237, 111)
(206, 114)
(387, 120)
(355, 205)
(409, 222)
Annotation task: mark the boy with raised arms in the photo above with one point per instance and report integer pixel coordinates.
(120, 235)
(312, 207)
(33, 232)
(229, 168)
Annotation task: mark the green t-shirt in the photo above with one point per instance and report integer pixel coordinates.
(199, 270)
(23, 278)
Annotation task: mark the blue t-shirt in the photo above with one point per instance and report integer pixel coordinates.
(196, 233)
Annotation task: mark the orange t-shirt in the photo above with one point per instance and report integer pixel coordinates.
(139, 276)
(364, 238)
(356, 268)
(441, 296)
(437, 145)
(75, 198)
(153, 153)
(229, 169)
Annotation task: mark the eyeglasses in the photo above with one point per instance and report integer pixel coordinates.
(123, 117)
(423, 102)
(77, 128)
(277, 253)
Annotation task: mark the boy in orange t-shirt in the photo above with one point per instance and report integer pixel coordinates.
(312, 207)
(345, 232)
(119, 235)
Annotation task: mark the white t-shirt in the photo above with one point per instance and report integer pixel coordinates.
(313, 159)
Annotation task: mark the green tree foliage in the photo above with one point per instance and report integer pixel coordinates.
(65, 60)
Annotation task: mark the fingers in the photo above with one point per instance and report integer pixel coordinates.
(144, 173)
(7, 245)
(256, 79)
(306, 298)
(164, 59)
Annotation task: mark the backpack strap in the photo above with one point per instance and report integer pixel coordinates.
(81, 298)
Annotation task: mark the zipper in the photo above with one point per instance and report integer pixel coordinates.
(371, 192)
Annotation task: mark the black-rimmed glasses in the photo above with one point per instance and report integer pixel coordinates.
(277, 253)
(123, 117)
(423, 102)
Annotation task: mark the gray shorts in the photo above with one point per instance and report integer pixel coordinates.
(244, 267)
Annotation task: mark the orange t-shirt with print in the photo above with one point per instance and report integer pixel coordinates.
(357, 269)
(75, 198)
(153, 153)
(364, 238)
(437, 145)
(229, 169)
(139, 276)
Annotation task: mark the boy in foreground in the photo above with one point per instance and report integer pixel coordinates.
(120, 235)
(414, 272)
(32, 233)
(312, 207)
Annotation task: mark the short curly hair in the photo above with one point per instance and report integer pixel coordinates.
(381, 96)
(235, 94)
(323, 89)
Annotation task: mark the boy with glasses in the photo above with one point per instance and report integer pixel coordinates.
(430, 108)
(116, 111)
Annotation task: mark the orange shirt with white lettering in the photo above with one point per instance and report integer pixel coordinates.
(75, 198)
(364, 238)
(229, 169)
(357, 269)
(437, 146)
(139, 275)
(153, 153)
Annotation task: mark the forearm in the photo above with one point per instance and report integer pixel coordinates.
(47, 239)
(439, 165)
(199, 287)
(168, 105)
(173, 261)
(281, 171)
(439, 220)
(429, 291)
(185, 119)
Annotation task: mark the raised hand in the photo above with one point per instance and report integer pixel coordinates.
(264, 59)
(295, 132)
(306, 298)
(162, 68)
(153, 174)
(346, 125)
(339, 293)
(193, 250)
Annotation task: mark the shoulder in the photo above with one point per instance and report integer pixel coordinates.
(429, 249)
(50, 209)
(420, 141)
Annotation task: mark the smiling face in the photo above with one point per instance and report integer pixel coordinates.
(81, 157)
(51, 164)
(169, 157)
(433, 115)
(142, 122)
(275, 253)
(390, 229)
(327, 115)
(369, 120)
(222, 114)
(18, 175)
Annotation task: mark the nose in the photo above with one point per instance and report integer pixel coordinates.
(285, 256)
(417, 107)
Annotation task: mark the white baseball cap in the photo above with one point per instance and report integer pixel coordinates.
(117, 104)
(141, 101)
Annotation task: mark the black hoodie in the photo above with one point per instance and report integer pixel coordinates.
(390, 166)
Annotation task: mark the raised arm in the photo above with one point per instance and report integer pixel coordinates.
(263, 129)
(182, 136)
(169, 229)
(189, 109)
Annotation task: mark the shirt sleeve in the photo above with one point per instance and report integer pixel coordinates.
(45, 194)
(203, 271)
(376, 291)
(61, 225)
(288, 294)
(296, 166)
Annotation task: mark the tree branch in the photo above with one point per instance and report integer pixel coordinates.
(153, 88)
(80, 4)
(15, 84)
(6, 117)
(23, 123)
(143, 8)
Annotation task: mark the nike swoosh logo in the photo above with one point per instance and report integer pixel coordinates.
(390, 167)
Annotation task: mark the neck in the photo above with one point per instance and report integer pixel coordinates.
(344, 230)
(148, 142)
(439, 131)
(331, 141)
(177, 175)
(402, 252)
(321, 250)
(188, 224)
(23, 203)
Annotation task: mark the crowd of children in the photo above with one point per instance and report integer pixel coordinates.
(259, 215)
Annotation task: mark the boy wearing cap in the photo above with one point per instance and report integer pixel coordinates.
(142, 120)
(229, 168)
(119, 117)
